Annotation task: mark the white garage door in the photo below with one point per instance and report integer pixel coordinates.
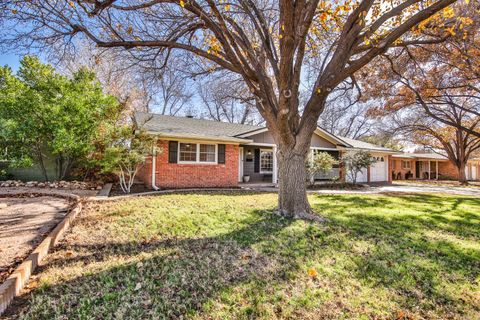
(467, 173)
(378, 171)
(361, 176)
(474, 173)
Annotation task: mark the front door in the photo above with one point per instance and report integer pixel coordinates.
(240, 164)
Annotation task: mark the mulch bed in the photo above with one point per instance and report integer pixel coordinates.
(337, 186)
(136, 188)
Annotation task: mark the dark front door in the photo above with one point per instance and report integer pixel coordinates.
(417, 169)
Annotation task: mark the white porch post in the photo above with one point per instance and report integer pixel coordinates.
(429, 169)
(275, 167)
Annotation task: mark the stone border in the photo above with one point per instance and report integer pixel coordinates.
(13, 285)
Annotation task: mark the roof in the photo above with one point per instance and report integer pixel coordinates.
(357, 144)
(435, 156)
(191, 128)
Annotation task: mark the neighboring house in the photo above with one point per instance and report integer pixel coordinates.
(430, 166)
(204, 153)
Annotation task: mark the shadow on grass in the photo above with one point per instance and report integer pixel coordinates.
(179, 278)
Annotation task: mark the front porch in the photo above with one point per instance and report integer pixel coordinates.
(423, 169)
(257, 165)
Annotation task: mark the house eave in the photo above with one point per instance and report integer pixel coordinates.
(196, 137)
(368, 149)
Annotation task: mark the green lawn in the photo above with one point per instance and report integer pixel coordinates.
(227, 256)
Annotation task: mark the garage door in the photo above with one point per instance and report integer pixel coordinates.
(378, 171)
(361, 177)
(474, 173)
(467, 173)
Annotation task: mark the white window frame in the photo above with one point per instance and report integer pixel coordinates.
(409, 167)
(197, 156)
(260, 160)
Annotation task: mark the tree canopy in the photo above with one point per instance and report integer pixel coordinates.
(45, 114)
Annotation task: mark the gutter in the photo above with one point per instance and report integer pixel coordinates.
(154, 165)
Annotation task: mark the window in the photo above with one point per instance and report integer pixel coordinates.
(406, 164)
(197, 152)
(207, 153)
(266, 161)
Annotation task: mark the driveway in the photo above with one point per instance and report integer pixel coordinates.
(410, 188)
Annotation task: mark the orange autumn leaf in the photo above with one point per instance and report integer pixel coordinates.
(312, 272)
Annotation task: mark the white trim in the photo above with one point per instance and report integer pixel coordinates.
(275, 166)
(253, 144)
(324, 149)
(366, 149)
(253, 132)
(260, 160)
(240, 163)
(197, 154)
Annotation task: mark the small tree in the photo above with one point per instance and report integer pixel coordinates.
(355, 162)
(320, 162)
(125, 154)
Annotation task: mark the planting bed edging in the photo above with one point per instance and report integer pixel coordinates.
(12, 286)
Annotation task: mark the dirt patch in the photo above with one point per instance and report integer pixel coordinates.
(24, 222)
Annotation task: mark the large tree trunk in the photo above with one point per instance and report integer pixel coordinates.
(292, 194)
(462, 177)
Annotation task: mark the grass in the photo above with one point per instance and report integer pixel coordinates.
(226, 256)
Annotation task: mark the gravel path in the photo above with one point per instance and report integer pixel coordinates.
(24, 222)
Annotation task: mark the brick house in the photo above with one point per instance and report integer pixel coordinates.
(198, 153)
(202, 153)
(429, 166)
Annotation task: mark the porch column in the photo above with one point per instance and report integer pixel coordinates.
(275, 167)
(436, 165)
(429, 169)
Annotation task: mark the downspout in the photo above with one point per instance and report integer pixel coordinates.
(154, 165)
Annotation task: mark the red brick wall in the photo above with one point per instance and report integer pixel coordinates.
(396, 166)
(175, 175)
(447, 170)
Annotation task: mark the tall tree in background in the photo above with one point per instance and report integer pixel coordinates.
(267, 43)
(440, 81)
(226, 98)
(459, 146)
(172, 92)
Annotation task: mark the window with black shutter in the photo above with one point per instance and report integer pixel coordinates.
(172, 151)
(221, 154)
(256, 162)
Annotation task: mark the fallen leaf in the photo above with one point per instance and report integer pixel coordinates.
(312, 272)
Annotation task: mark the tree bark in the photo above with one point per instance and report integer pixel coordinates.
(42, 165)
(292, 194)
(462, 177)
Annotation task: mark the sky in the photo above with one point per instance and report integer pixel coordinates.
(11, 60)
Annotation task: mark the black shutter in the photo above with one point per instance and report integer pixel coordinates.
(256, 162)
(221, 154)
(172, 151)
